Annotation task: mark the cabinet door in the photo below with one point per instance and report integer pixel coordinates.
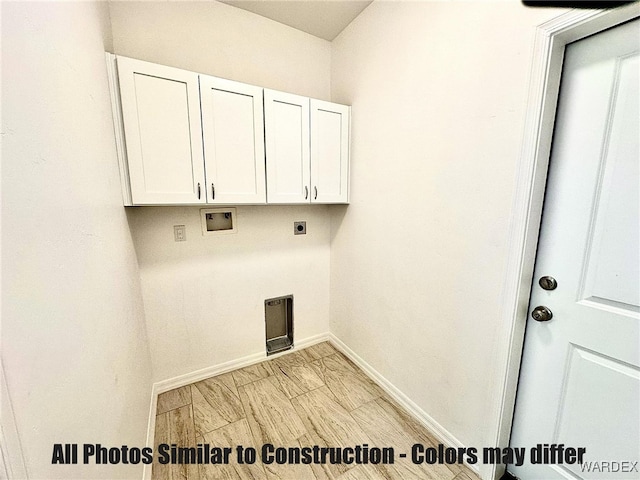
(287, 143)
(329, 152)
(161, 115)
(233, 134)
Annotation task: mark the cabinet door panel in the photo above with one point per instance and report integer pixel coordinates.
(329, 152)
(161, 114)
(287, 142)
(233, 136)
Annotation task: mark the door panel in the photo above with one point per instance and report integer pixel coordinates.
(579, 381)
(233, 141)
(329, 152)
(287, 147)
(613, 260)
(161, 113)
(585, 412)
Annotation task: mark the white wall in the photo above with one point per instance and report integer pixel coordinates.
(204, 298)
(74, 346)
(217, 39)
(418, 259)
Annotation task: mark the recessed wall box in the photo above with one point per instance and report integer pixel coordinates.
(299, 228)
(217, 221)
(278, 316)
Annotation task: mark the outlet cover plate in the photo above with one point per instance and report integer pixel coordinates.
(180, 233)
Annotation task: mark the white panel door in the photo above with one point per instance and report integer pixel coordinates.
(329, 152)
(161, 115)
(286, 118)
(579, 381)
(233, 134)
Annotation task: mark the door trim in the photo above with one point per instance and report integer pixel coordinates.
(544, 84)
(12, 460)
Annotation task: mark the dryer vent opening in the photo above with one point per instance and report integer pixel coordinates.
(278, 316)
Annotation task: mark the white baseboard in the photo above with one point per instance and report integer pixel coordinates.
(191, 377)
(441, 433)
(204, 373)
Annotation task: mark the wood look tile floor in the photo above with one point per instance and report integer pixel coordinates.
(314, 396)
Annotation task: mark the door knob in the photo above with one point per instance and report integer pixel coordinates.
(541, 314)
(548, 283)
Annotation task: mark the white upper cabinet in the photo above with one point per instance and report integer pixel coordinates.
(307, 149)
(233, 134)
(286, 119)
(161, 115)
(185, 138)
(329, 152)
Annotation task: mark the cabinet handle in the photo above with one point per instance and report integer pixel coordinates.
(213, 192)
(316, 193)
(306, 192)
(198, 190)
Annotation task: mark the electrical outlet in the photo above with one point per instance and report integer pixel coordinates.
(299, 228)
(180, 233)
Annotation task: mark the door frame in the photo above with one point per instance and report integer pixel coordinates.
(548, 53)
(12, 462)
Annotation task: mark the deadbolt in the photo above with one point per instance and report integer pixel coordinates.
(541, 314)
(548, 283)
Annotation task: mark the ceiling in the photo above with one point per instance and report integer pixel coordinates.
(322, 18)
